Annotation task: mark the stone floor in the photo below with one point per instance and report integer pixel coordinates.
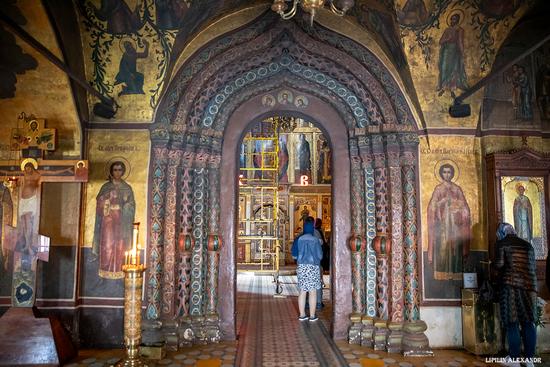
(271, 336)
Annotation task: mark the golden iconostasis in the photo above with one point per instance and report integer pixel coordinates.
(300, 155)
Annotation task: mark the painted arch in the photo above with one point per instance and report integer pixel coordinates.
(211, 100)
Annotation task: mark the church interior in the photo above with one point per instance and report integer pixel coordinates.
(158, 158)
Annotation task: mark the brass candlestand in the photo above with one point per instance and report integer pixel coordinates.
(133, 281)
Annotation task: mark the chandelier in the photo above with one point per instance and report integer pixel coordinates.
(309, 6)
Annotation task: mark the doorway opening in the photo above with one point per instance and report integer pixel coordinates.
(285, 176)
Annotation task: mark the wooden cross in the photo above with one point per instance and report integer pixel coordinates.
(24, 241)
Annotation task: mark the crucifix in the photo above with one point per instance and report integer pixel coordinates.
(24, 241)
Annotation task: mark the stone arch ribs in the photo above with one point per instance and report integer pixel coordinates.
(370, 122)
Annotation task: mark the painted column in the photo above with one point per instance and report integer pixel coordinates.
(168, 309)
(214, 241)
(186, 240)
(357, 246)
(185, 247)
(214, 245)
(200, 216)
(396, 195)
(357, 242)
(410, 226)
(156, 238)
(370, 224)
(381, 220)
(382, 246)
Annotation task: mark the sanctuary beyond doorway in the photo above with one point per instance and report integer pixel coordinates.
(285, 176)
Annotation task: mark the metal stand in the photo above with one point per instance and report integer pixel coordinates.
(133, 281)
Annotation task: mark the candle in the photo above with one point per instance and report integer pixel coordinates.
(135, 237)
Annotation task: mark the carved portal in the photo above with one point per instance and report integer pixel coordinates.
(212, 99)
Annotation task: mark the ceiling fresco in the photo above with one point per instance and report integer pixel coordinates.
(38, 82)
(130, 47)
(12, 58)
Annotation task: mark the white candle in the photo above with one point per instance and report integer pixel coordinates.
(135, 239)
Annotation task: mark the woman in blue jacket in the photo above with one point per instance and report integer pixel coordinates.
(308, 253)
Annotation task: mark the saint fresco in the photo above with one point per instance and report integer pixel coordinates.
(115, 212)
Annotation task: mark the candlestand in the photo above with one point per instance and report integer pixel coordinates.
(133, 281)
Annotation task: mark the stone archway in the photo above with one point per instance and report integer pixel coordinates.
(197, 127)
(333, 126)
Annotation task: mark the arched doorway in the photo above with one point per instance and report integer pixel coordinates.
(236, 79)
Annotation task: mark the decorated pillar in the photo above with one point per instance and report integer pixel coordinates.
(156, 231)
(381, 220)
(168, 310)
(410, 227)
(214, 240)
(199, 229)
(185, 247)
(186, 240)
(357, 246)
(382, 246)
(357, 240)
(396, 303)
(370, 224)
(214, 244)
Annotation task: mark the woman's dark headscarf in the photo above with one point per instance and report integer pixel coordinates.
(505, 229)
(309, 227)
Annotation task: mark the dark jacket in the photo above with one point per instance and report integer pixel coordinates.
(515, 259)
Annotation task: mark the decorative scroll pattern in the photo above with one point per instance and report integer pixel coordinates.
(357, 190)
(382, 287)
(169, 283)
(370, 234)
(158, 189)
(214, 201)
(200, 193)
(186, 195)
(357, 247)
(184, 282)
(412, 300)
(396, 309)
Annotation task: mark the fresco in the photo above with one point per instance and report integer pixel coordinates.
(13, 59)
(435, 35)
(41, 84)
(380, 20)
(520, 97)
(129, 47)
(115, 198)
(453, 225)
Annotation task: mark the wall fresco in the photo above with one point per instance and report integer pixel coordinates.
(520, 97)
(111, 205)
(453, 224)
(436, 34)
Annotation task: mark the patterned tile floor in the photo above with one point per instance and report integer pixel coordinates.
(271, 336)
